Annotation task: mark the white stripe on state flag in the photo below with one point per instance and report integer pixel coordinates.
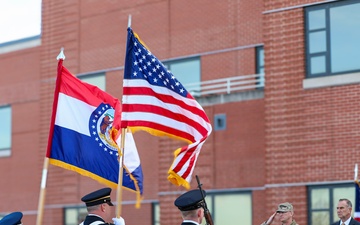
(131, 156)
(67, 115)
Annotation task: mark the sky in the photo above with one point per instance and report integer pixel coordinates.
(19, 19)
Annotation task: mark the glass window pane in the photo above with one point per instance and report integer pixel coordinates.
(345, 36)
(71, 216)
(317, 64)
(230, 208)
(187, 72)
(320, 198)
(320, 218)
(5, 128)
(74, 216)
(261, 57)
(96, 80)
(156, 215)
(317, 19)
(317, 42)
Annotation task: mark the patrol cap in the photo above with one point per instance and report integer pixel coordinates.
(190, 200)
(12, 219)
(285, 207)
(98, 197)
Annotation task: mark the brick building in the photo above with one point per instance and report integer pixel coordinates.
(293, 138)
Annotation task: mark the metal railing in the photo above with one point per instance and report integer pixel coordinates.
(226, 85)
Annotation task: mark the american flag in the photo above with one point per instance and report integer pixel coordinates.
(357, 201)
(155, 101)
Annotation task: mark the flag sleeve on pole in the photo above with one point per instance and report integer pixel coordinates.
(84, 128)
(155, 101)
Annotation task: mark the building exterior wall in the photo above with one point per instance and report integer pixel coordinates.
(272, 146)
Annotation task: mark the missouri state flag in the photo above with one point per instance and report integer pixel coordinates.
(84, 134)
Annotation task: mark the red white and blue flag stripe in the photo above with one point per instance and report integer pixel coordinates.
(357, 201)
(155, 101)
(85, 122)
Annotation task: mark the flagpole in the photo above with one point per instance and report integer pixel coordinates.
(129, 21)
(356, 172)
(121, 168)
(41, 202)
(42, 192)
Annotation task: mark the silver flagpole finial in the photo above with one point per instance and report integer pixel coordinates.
(61, 54)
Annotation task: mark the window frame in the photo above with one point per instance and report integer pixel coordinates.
(6, 151)
(195, 87)
(78, 210)
(211, 196)
(332, 202)
(327, 53)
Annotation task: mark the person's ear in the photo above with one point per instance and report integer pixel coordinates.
(199, 212)
(103, 207)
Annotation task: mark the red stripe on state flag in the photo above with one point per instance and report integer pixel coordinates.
(92, 95)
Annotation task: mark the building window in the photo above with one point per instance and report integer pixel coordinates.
(74, 215)
(220, 122)
(5, 130)
(260, 66)
(227, 207)
(323, 200)
(332, 38)
(156, 213)
(188, 72)
(260, 60)
(98, 80)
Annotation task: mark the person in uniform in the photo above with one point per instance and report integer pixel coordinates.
(99, 207)
(12, 219)
(285, 213)
(191, 206)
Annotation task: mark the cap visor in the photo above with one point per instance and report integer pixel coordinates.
(110, 204)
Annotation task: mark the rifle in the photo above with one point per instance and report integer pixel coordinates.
(207, 215)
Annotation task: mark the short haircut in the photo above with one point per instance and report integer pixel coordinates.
(348, 202)
(92, 208)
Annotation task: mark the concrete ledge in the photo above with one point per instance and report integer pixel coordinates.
(328, 81)
(232, 97)
(20, 44)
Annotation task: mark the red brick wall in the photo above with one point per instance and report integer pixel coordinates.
(307, 131)
(93, 34)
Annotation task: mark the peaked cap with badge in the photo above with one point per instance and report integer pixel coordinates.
(190, 200)
(12, 219)
(98, 197)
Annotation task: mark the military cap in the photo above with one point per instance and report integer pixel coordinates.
(190, 200)
(285, 207)
(12, 219)
(98, 197)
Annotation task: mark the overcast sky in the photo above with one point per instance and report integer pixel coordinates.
(19, 19)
